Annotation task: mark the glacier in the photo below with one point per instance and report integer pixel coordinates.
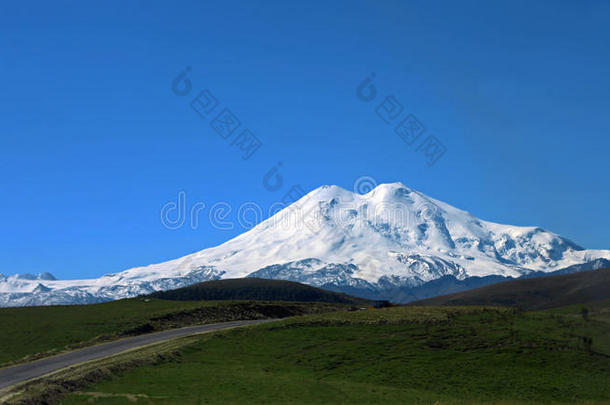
(383, 244)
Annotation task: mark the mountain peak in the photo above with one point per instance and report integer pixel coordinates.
(41, 288)
(30, 276)
(328, 192)
(329, 188)
(376, 240)
(393, 186)
(389, 191)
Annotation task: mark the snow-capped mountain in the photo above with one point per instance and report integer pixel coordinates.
(375, 244)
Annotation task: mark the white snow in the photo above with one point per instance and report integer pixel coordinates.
(393, 232)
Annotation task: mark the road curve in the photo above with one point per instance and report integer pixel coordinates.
(22, 372)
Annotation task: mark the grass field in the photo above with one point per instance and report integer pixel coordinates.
(386, 356)
(33, 332)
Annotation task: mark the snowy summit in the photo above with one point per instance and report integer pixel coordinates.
(376, 244)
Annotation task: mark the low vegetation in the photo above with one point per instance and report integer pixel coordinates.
(29, 333)
(443, 355)
(33, 332)
(327, 353)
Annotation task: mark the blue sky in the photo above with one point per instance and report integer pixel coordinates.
(94, 141)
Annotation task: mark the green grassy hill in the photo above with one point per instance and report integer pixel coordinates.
(257, 289)
(534, 293)
(400, 355)
(32, 332)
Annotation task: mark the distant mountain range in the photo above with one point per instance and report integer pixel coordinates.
(391, 243)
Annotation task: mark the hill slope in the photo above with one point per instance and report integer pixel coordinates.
(256, 289)
(401, 355)
(38, 332)
(534, 293)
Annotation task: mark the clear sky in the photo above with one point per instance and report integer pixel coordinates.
(94, 141)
